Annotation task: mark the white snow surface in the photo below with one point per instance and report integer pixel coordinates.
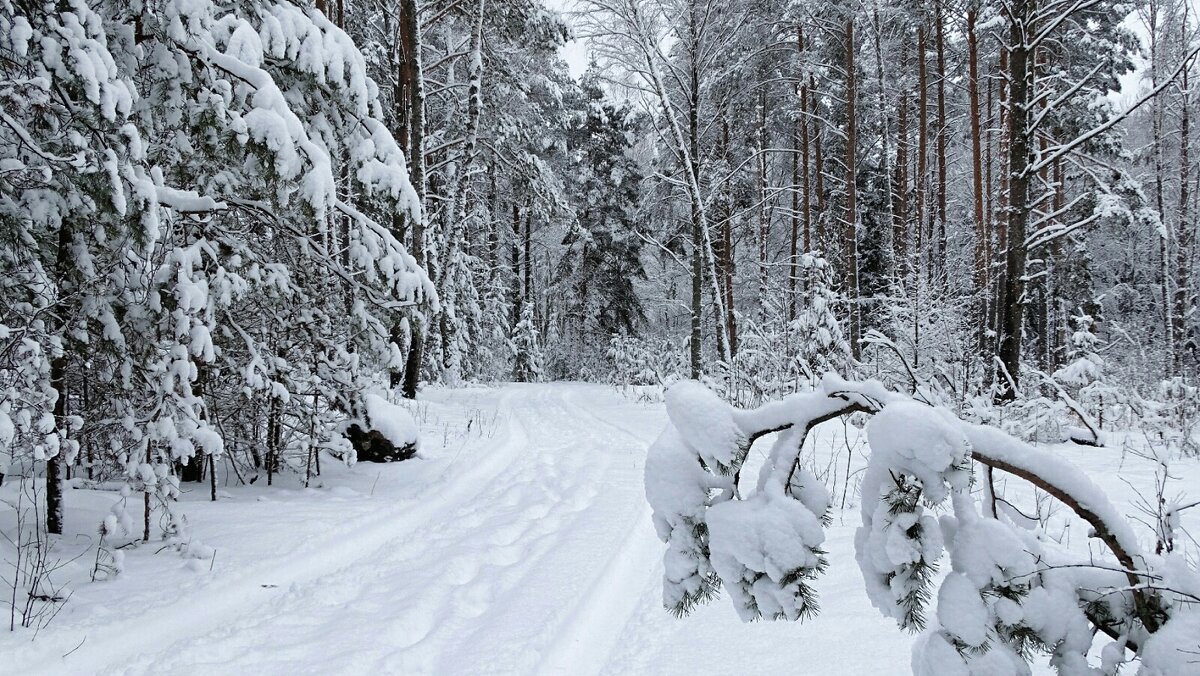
(520, 544)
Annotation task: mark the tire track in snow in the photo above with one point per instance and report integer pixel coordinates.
(224, 600)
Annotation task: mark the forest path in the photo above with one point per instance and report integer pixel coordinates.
(526, 554)
(520, 544)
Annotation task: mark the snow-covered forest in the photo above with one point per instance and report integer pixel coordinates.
(524, 336)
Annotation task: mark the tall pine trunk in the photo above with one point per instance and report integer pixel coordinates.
(794, 240)
(798, 146)
(982, 233)
(724, 252)
(1019, 97)
(851, 224)
(764, 222)
(922, 148)
(900, 189)
(1183, 232)
(819, 169)
(410, 29)
(805, 174)
(940, 237)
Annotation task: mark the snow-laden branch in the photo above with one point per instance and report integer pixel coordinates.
(1055, 153)
(762, 544)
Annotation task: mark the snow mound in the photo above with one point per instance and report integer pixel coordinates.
(384, 432)
(394, 422)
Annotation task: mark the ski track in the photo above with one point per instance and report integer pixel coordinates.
(597, 620)
(530, 558)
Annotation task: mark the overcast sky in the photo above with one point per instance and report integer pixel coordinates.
(574, 52)
(1132, 84)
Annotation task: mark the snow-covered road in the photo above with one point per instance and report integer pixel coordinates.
(521, 544)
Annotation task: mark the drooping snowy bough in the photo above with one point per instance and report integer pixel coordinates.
(1008, 595)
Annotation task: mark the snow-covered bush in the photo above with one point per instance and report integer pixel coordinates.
(383, 431)
(1008, 594)
(637, 360)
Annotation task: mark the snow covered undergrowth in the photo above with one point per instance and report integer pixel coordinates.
(520, 543)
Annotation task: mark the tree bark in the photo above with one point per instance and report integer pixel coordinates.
(851, 224)
(939, 266)
(410, 29)
(982, 234)
(724, 253)
(58, 383)
(1183, 231)
(794, 240)
(922, 149)
(764, 222)
(1020, 95)
(1000, 214)
(900, 190)
(819, 157)
(55, 464)
(528, 245)
(805, 175)
(693, 169)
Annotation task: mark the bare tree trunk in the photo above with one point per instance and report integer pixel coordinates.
(518, 291)
(799, 145)
(900, 190)
(982, 234)
(274, 436)
(1059, 326)
(851, 194)
(764, 223)
(1041, 291)
(1020, 95)
(922, 147)
(806, 198)
(410, 29)
(146, 498)
(456, 210)
(695, 344)
(922, 171)
(795, 235)
(794, 240)
(58, 382)
(724, 252)
(1001, 216)
(731, 329)
(528, 245)
(1183, 233)
(819, 155)
(55, 463)
(941, 142)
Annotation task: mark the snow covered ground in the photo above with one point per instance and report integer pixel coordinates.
(520, 544)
